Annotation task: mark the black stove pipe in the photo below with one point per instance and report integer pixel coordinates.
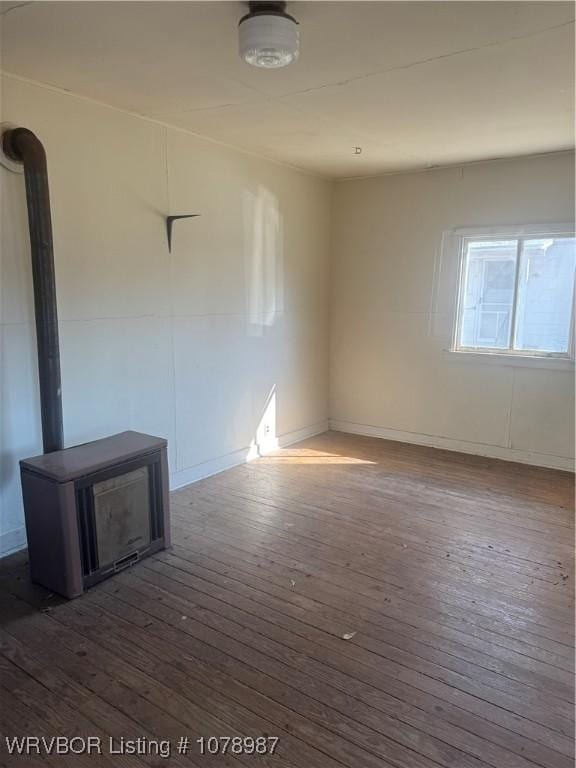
(23, 146)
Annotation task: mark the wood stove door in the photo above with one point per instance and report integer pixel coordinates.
(122, 515)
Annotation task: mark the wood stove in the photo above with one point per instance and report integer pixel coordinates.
(95, 509)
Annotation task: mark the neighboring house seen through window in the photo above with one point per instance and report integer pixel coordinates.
(516, 295)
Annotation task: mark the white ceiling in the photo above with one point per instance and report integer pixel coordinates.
(413, 84)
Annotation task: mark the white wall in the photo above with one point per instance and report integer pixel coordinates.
(193, 346)
(392, 310)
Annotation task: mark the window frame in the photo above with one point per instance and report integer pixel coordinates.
(519, 233)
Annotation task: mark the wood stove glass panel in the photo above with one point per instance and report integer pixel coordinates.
(122, 515)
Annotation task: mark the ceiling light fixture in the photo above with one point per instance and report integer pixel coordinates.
(268, 36)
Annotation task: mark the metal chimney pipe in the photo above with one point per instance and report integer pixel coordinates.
(23, 146)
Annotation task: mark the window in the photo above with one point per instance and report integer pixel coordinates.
(516, 295)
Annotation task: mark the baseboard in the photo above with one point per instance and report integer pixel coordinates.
(302, 434)
(242, 456)
(462, 446)
(12, 541)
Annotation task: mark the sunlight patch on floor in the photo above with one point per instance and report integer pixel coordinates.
(310, 456)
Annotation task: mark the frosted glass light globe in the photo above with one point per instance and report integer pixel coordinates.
(269, 40)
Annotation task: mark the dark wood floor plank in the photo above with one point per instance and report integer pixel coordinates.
(468, 616)
(184, 642)
(373, 533)
(499, 573)
(169, 645)
(330, 634)
(357, 522)
(220, 716)
(335, 622)
(322, 593)
(17, 720)
(360, 490)
(271, 485)
(522, 602)
(350, 741)
(349, 706)
(345, 751)
(466, 741)
(63, 649)
(142, 688)
(69, 692)
(453, 575)
(429, 703)
(57, 715)
(308, 656)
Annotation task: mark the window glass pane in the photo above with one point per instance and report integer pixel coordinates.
(488, 293)
(545, 294)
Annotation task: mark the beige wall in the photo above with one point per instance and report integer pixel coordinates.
(393, 292)
(195, 346)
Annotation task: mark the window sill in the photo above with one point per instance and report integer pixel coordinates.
(522, 361)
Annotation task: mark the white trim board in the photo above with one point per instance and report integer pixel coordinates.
(242, 456)
(460, 446)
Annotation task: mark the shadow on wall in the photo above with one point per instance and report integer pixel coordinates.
(263, 259)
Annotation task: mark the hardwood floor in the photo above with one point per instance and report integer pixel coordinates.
(369, 603)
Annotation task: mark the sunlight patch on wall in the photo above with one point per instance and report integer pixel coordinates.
(265, 439)
(263, 258)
